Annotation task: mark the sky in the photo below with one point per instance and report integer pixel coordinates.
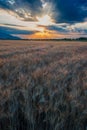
(29, 19)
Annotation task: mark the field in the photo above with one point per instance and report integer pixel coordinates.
(43, 85)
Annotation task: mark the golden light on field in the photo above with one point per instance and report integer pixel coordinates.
(45, 20)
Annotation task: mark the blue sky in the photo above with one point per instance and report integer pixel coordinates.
(43, 18)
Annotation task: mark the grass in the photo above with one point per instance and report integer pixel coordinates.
(43, 85)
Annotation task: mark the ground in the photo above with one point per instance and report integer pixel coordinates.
(43, 85)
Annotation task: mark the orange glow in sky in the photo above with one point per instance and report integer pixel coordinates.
(45, 35)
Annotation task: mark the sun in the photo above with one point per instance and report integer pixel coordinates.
(45, 20)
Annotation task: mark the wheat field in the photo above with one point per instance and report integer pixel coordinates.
(43, 85)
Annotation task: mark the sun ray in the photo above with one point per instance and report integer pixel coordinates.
(44, 20)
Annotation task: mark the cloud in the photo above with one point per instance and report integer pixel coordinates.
(70, 11)
(63, 11)
(25, 9)
(5, 36)
(57, 28)
(67, 29)
(13, 31)
(68, 16)
(12, 25)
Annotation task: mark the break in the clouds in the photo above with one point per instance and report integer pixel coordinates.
(28, 17)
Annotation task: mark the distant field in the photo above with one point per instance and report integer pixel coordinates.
(43, 85)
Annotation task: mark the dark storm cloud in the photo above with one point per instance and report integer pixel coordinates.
(70, 11)
(13, 31)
